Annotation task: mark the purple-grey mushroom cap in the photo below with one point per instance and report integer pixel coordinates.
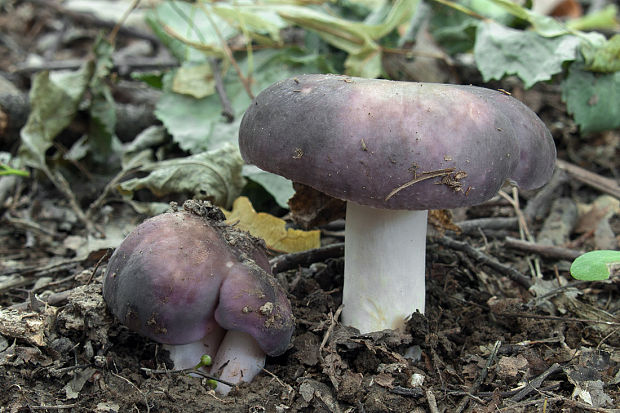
(396, 145)
(176, 277)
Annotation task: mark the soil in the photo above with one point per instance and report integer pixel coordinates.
(506, 329)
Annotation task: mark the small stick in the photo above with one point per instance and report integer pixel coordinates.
(557, 318)
(423, 177)
(549, 251)
(513, 274)
(432, 402)
(535, 384)
(146, 400)
(227, 110)
(329, 331)
(607, 185)
(480, 379)
(288, 387)
(90, 20)
(538, 206)
(286, 262)
(190, 370)
(471, 226)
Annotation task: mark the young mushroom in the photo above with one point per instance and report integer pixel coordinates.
(199, 286)
(393, 150)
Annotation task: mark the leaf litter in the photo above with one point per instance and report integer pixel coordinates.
(486, 342)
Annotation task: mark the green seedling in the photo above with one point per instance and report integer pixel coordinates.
(7, 170)
(205, 361)
(595, 265)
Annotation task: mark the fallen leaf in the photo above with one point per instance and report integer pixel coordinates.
(272, 229)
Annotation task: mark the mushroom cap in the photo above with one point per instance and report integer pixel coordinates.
(175, 278)
(396, 145)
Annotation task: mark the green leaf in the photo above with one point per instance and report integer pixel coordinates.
(606, 58)
(364, 64)
(54, 100)
(189, 29)
(544, 25)
(251, 17)
(453, 30)
(214, 175)
(601, 19)
(595, 265)
(197, 124)
(592, 98)
(7, 170)
(195, 80)
(279, 187)
(140, 151)
(356, 38)
(503, 51)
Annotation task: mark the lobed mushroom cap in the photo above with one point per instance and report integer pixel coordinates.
(396, 145)
(175, 277)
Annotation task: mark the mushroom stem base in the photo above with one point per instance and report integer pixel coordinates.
(384, 267)
(186, 356)
(239, 359)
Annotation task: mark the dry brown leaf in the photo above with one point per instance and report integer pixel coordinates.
(271, 229)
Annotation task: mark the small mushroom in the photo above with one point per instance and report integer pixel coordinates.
(393, 150)
(199, 286)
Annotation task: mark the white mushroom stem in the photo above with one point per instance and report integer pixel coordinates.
(383, 267)
(186, 356)
(239, 359)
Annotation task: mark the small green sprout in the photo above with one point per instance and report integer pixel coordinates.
(595, 265)
(7, 170)
(205, 361)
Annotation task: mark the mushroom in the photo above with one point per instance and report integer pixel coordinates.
(393, 150)
(199, 286)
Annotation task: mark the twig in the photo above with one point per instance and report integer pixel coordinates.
(90, 20)
(535, 384)
(523, 228)
(407, 391)
(286, 262)
(482, 258)
(61, 183)
(607, 185)
(190, 370)
(47, 269)
(119, 24)
(557, 318)
(52, 299)
(53, 407)
(472, 226)
(97, 203)
(549, 251)
(503, 394)
(432, 402)
(480, 379)
(330, 329)
(288, 387)
(538, 206)
(146, 401)
(229, 55)
(555, 291)
(227, 110)
(94, 272)
(129, 65)
(423, 177)
(30, 226)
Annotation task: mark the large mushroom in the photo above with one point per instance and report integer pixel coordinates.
(199, 286)
(393, 150)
